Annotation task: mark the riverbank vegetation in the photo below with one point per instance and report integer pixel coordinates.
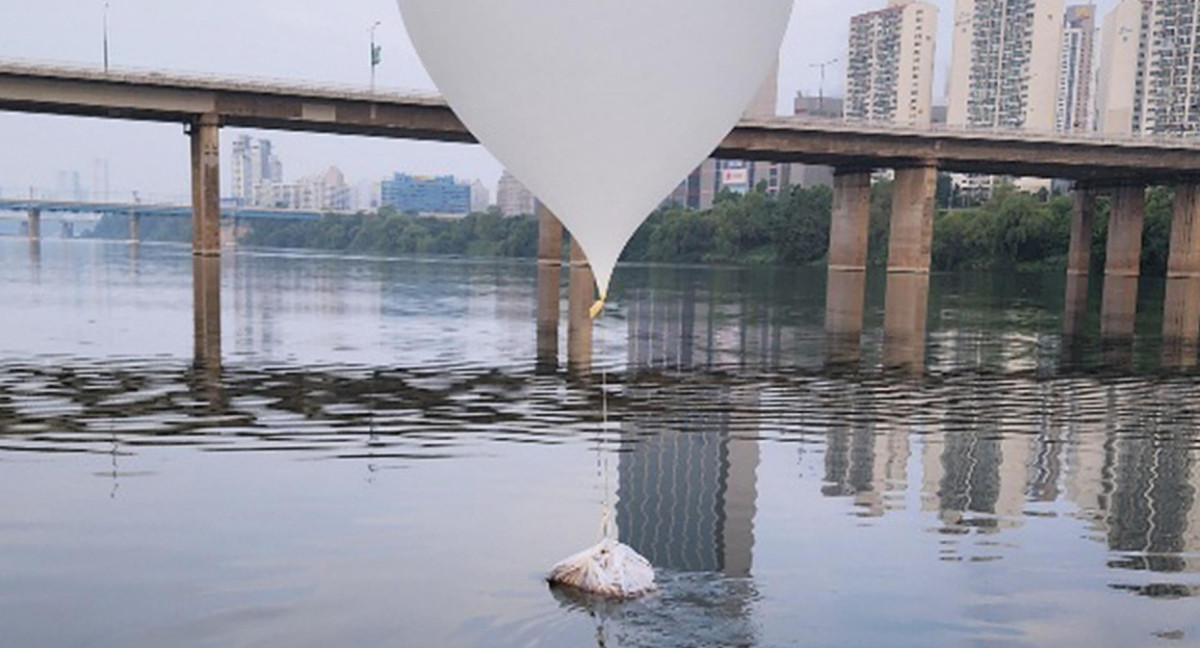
(1012, 229)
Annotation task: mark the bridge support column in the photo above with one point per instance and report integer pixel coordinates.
(846, 287)
(581, 294)
(1079, 261)
(1181, 313)
(35, 225)
(135, 227)
(206, 186)
(549, 282)
(206, 240)
(910, 244)
(1123, 266)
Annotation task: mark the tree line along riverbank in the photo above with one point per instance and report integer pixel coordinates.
(1012, 229)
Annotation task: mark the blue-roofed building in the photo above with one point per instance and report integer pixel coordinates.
(440, 195)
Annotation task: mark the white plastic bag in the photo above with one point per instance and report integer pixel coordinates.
(609, 569)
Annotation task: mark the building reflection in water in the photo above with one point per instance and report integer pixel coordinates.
(990, 448)
(699, 327)
(687, 489)
(686, 500)
(865, 458)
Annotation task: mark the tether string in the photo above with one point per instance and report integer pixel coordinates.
(606, 514)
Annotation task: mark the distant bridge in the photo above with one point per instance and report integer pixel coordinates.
(142, 209)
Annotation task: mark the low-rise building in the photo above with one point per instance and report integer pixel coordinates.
(426, 195)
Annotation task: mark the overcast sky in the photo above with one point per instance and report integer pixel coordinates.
(309, 40)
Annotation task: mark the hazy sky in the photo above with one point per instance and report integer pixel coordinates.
(309, 40)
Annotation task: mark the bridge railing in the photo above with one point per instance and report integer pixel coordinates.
(93, 195)
(269, 85)
(213, 80)
(1186, 141)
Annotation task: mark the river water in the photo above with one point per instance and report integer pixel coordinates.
(379, 461)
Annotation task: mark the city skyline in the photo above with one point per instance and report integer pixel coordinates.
(314, 42)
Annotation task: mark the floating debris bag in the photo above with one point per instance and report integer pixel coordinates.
(600, 108)
(609, 569)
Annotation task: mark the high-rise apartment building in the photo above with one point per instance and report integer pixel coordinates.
(254, 163)
(512, 198)
(481, 198)
(1005, 64)
(889, 69)
(1150, 68)
(1074, 109)
(1118, 87)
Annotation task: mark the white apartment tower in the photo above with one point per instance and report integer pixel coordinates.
(513, 198)
(1073, 113)
(1006, 56)
(253, 164)
(1150, 68)
(889, 71)
(1119, 86)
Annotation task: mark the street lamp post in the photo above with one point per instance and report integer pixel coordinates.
(821, 89)
(376, 55)
(106, 36)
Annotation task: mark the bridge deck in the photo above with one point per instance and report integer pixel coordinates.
(298, 107)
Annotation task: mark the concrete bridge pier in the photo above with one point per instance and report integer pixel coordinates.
(1079, 260)
(846, 286)
(34, 227)
(206, 240)
(910, 244)
(549, 286)
(581, 294)
(1123, 265)
(206, 186)
(1181, 311)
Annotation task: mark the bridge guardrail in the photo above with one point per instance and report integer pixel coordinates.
(269, 85)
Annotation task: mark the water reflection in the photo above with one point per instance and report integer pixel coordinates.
(1181, 322)
(206, 310)
(844, 313)
(581, 294)
(988, 449)
(687, 485)
(409, 393)
(905, 319)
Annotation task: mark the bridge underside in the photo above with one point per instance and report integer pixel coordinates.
(964, 152)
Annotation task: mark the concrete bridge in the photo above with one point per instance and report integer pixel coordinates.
(1119, 167)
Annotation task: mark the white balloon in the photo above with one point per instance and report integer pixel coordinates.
(600, 107)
